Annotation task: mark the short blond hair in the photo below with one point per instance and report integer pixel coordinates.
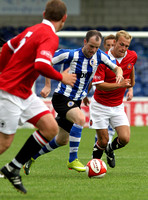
(124, 34)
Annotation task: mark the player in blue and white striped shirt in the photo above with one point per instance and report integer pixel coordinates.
(67, 100)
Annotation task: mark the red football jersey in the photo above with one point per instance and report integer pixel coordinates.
(103, 74)
(36, 44)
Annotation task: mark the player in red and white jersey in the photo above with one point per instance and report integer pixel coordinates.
(106, 105)
(113, 97)
(23, 58)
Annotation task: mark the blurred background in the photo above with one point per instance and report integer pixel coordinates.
(104, 15)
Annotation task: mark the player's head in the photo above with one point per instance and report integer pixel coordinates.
(92, 43)
(56, 12)
(109, 42)
(122, 43)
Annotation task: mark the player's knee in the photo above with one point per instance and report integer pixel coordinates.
(54, 131)
(4, 147)
(63, 141)
(103, 142)
(124, 141)
(81, 120)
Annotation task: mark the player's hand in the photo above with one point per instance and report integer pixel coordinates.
(129, 94)
(86, 101)
(45, 91)
(125, 83)
(119, 74)
(68, 79)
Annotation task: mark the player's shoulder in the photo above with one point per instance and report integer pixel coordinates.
(132, 53)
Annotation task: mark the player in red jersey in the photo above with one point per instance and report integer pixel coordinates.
(23, 59)
(107, 103)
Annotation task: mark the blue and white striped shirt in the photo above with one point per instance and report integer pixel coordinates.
(84, 67)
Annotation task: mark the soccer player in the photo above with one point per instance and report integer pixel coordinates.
(23, 58)
(107, 102)
(108, 43)
(67, 100)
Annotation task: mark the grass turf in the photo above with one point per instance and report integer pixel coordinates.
(51, 179)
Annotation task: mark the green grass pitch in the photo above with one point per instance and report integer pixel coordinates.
(50, 179)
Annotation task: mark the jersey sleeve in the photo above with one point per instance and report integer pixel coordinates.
(105, 59)
(99, 75)
(46, 50)
(61, 56)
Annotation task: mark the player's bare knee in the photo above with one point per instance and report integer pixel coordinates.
(124, 141)
(3, 148)
(80, 121)
(103, 142)
(63, 141)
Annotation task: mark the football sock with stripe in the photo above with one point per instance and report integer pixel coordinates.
(34, 143)
(97, 151)
(116, 144)
(50, 146)
(74, 141)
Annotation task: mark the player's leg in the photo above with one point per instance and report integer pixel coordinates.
(39, 115)
(123, 138)
(5, 142)
(100, 122)
(59, 140)
(100, 145)
(69, 111)
(120, 121)
(77, 117)
(111, 133)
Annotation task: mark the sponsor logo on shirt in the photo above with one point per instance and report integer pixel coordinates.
(47, 54)
(96, 78)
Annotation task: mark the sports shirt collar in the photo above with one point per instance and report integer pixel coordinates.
(47, 22)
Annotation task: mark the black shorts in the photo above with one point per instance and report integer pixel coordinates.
(62, 105)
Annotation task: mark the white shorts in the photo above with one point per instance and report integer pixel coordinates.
(16, 111)
(101, 116)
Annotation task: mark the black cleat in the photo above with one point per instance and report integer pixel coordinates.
(110, 156)
(13, 178)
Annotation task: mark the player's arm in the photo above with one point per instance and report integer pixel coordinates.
(129, 94)
(112, 86)
(86, 100)
(111, 64)
(132, 77)
(46, 69)
(99, 80)
(47, 88)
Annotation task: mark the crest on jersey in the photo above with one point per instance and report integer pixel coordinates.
(129, 66)
(92, 62)
(70, 103)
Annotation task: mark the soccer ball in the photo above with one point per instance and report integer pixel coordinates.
(96, 168)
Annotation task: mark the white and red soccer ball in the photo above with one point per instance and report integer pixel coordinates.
(96, 168)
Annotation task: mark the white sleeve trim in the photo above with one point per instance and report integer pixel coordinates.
(9, 44)
(43, 60)
(98, 82)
